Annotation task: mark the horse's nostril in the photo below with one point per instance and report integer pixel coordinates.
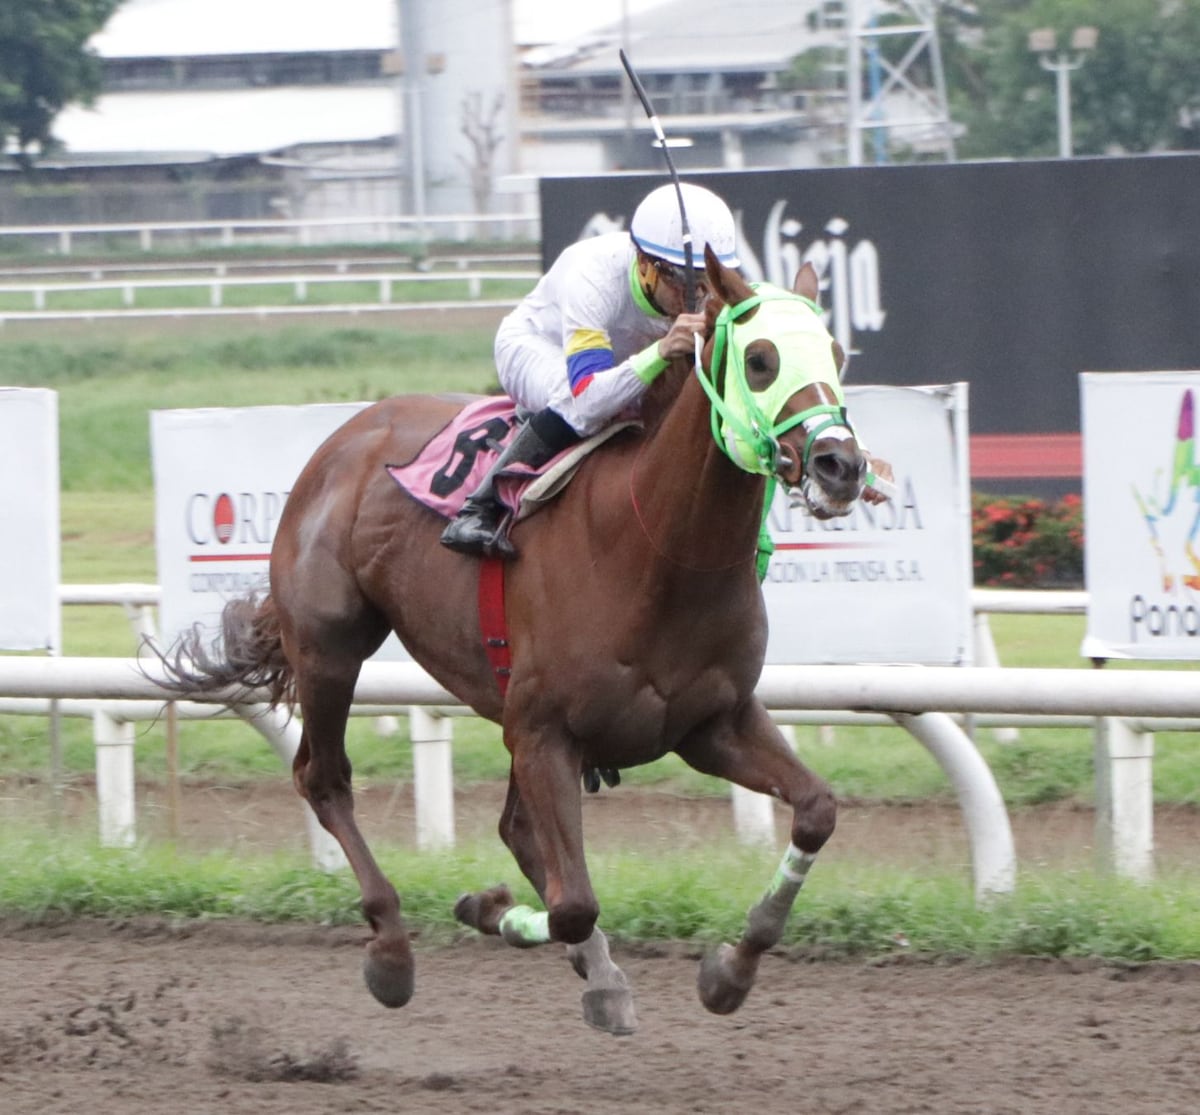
(829, 466)
(836, 471)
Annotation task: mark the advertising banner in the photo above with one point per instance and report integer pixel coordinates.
(221, 478)
(886, 584)
(1012, 276)
(1141, 505)
(889, 582)
(30, 561)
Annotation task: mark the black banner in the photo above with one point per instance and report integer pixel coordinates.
(1012, 276)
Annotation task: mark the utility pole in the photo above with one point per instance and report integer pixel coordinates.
(413, 53)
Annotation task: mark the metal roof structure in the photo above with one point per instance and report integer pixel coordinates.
(674, 36)
(222, 122)
(197, 123)
(188, 29)
(693, 35)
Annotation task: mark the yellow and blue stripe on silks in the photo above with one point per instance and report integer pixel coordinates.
(588, 351)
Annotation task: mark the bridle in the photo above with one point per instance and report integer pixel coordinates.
(756, 431)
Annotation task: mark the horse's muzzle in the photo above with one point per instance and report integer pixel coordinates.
(833, 479)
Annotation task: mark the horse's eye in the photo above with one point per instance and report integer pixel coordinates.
(762, 364)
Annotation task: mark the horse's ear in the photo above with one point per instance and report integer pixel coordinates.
(726, 283)
(807, 284)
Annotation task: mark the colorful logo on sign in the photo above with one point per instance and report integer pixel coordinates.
(1171, 508)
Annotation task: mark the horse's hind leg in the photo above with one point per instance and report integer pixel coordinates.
(607, 1001)
(754, 754)
(321, 772)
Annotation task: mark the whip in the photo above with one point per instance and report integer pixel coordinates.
(689, 279)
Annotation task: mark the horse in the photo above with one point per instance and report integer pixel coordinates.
(635, 619)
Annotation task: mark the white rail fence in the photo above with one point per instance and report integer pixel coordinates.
(340, 265)
(306, 309)
(216, 285)
(301, 285)
(1124, 707)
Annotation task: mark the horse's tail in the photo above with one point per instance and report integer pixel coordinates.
(246, 656)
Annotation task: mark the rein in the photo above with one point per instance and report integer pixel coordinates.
(755, 431)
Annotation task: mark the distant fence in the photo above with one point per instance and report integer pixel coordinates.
(463, 260)
(217, 285)
(285, 230)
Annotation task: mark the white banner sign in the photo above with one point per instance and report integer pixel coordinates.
(1141, 505)
(889, 582)
(30, 563)
(221, 477)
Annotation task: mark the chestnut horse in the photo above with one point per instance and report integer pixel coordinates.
(635, 618)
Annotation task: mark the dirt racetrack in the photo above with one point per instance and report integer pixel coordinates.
(142, 1017)
(146, 1017)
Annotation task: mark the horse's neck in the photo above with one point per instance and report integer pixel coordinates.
(694, 505)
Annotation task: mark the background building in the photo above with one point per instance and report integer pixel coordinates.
(251, 108)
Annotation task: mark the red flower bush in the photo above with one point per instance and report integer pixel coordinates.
(1021, 542)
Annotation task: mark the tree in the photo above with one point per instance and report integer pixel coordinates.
(482, 131)
(1135, 92)
(45, 65)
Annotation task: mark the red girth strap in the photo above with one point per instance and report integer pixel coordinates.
(492, 625)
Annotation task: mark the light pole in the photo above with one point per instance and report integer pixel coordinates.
(1060, 63)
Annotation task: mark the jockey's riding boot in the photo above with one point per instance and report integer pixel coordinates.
(481, 526)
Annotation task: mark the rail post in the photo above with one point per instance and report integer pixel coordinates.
(1124, 799)
(753, 816)
(993, 855)
(433, 777)
(282, 732)
(114, 780)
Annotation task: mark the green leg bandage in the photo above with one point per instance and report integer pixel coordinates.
(764, 925)
(524, 927)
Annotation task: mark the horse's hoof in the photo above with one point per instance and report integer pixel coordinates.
(725, 979)
(484, 909)
(389, 972)
(610, 1009)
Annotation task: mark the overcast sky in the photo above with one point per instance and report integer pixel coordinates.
(550, 20)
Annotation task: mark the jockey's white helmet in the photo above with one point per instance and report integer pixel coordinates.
(656, 227)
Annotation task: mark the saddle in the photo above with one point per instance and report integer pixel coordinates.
(456, 459)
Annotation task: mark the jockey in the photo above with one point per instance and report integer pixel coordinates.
(600, 326)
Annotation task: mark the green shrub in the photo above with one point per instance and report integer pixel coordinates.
(1025, 542)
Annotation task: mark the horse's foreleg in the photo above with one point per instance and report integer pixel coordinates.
(755, 755)
(544, 829)
(321, 772)
(607, 1001)
(547, 839)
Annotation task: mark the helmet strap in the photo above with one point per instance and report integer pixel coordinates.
(648, 277)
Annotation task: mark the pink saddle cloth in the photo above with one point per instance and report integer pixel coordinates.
(458, 457)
